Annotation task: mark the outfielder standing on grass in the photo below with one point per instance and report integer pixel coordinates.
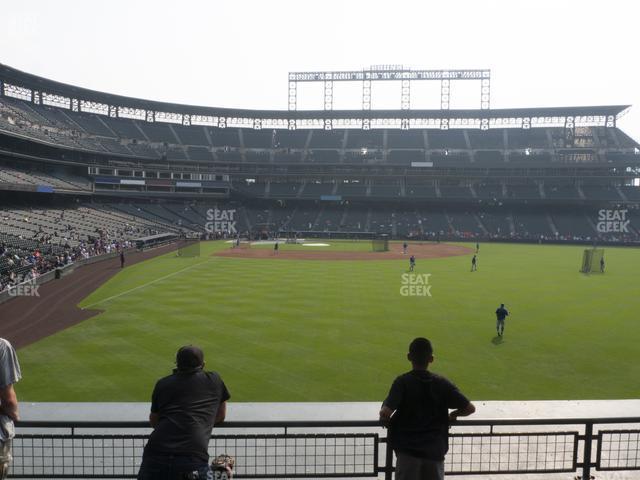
(474, 264)
(501, 314)
(412, 263)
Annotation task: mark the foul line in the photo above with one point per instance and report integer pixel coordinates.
(142, 286)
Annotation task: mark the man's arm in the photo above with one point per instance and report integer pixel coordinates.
(153, 419)
(462, 412)
(221, 413)
(392, 402)
(9, 402)
(385, 415)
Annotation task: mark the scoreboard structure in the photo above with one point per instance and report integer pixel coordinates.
(388, 73)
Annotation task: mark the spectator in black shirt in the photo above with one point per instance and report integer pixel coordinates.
(417, 414)
(184, 408)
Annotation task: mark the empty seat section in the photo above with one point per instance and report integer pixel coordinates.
(290, 139)
(193, 135)
(405, 157)
(564, 192)
(601, 192)
(330, 218)
(326, 139)
(355, 219)
(284, 189)
(257, 138)
(364, 139)
(488, 191)
(465, 225)
(531, 225)
(385, 190)
(317, 189)
(421, 191)
(323, 156)
(224, 137)
(455, 191)
(407, 139)
(497, 224)
(434, 223)
(199, 153)
(572, 225)
(158, 132)
(352, 189)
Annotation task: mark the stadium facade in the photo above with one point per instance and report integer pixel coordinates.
(78, 166)
(528, 174)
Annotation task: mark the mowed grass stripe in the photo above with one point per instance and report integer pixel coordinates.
(284, 330)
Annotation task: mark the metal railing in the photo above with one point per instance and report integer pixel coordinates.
(325, 449)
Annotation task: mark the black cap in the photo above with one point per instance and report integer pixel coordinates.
(189, 357)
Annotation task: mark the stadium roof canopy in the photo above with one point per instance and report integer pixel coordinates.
(41, 90)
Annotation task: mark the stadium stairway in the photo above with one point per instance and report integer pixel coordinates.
(552, 225)
(481, 225)
(512, 225)
(621, 193)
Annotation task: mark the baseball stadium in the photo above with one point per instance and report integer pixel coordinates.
(302, 250)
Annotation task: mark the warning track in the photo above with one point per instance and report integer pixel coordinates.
(26, 320)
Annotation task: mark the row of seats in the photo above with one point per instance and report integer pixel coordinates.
(399, 221)
(137, 137)
(57, 231)
(63, 180)
(491, 192)
(73, 226)
(59, 179)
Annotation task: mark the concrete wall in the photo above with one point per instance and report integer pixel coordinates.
(264, 411)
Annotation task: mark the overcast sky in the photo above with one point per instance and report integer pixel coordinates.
(238, 53)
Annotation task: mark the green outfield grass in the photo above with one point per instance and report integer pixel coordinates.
(284, 330)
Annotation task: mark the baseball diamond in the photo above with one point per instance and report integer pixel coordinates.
(257, 314)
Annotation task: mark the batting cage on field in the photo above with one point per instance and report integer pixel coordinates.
(380, 244)
(188, 248)
(591, 259)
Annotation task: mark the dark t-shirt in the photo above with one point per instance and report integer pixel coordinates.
(501, 313)
(187, 404)
(420, 425)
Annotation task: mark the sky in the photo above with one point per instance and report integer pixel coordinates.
(238, 53)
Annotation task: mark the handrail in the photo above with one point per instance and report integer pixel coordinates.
(580, 449)
(332, 423)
